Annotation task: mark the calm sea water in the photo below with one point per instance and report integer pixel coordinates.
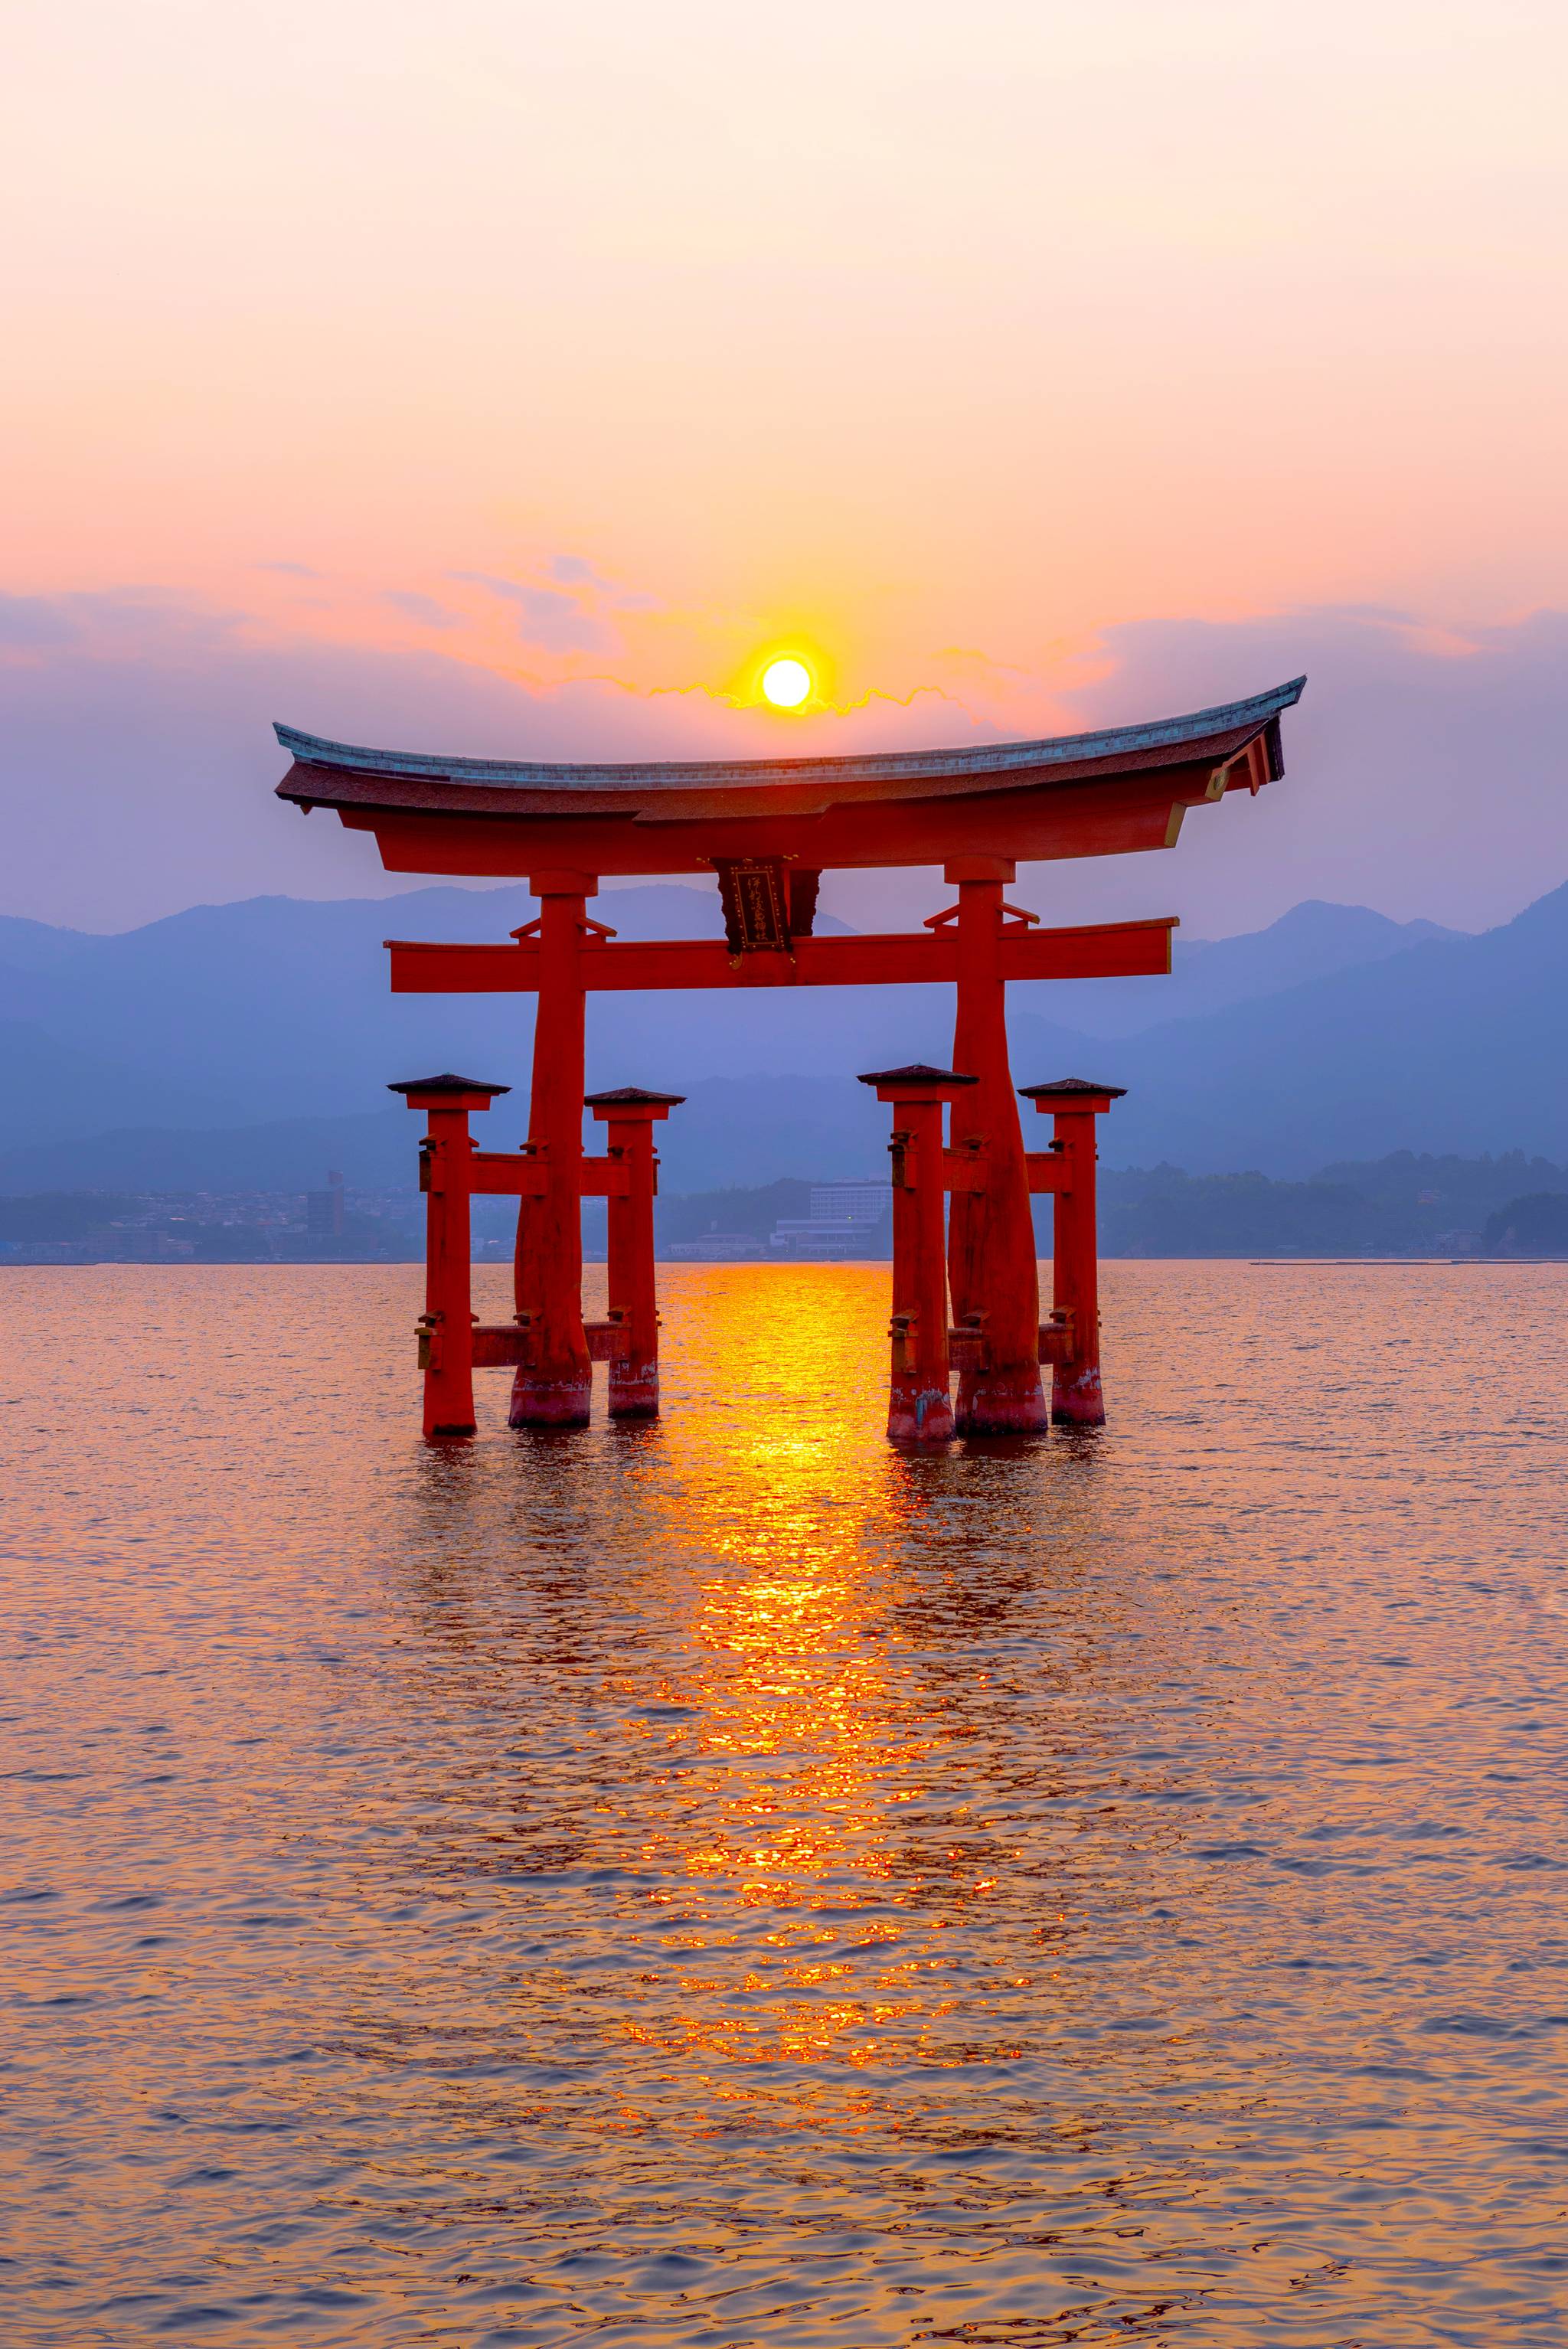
(725, 1883)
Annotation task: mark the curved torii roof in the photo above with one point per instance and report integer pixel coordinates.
(433, 813)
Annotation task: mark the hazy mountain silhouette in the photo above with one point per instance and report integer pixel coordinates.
(751, 1130)
(1459, 1044)
(272, 1017)
(1311, 941)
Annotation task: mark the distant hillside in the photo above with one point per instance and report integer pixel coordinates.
(1394, 1208)
(1458, 1044)
(732, 1130)
(163, 1057)
(1401, 1204)
(1536, 1225)
(1433, 1193)
(1210, 975)
(273, 1009)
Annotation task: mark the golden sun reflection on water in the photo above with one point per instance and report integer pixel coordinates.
(793, 1695)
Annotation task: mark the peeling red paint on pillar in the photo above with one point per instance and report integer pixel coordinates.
(630, 1113)
(446, 1331)
(1076, 1393)
(991, 1232)
(554, 1388)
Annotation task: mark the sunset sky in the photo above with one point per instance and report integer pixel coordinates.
(503, 377)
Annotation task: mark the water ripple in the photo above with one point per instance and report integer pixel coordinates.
(724, 1883)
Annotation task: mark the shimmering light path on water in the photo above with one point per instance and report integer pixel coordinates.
(724, 1883)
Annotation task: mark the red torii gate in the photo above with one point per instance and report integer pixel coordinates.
(769, 829)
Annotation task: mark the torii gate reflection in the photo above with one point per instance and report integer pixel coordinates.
(769, 829)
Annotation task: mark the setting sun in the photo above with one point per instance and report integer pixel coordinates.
(787, 684)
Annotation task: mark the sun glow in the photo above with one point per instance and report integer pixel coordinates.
(787, 683)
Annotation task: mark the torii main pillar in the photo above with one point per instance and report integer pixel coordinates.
(556, 1388)
(991, 1231)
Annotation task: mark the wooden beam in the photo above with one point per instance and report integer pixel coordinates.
(604, 1178)
(507, 1174)
(1109, 815)
(505, 1346)
(520, 1175)
(967, 1344)
(929, 959)
(964, 1170)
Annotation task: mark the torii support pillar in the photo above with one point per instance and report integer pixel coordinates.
(554, 1388)
(1075, 1103)
(991, 1235)
(629, 1112)
(445, 1178)
(919, 1402)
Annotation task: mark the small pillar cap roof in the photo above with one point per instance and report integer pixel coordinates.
(1070, 1089)
(917, 1073)
(445, 1083)
(632, 1097)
